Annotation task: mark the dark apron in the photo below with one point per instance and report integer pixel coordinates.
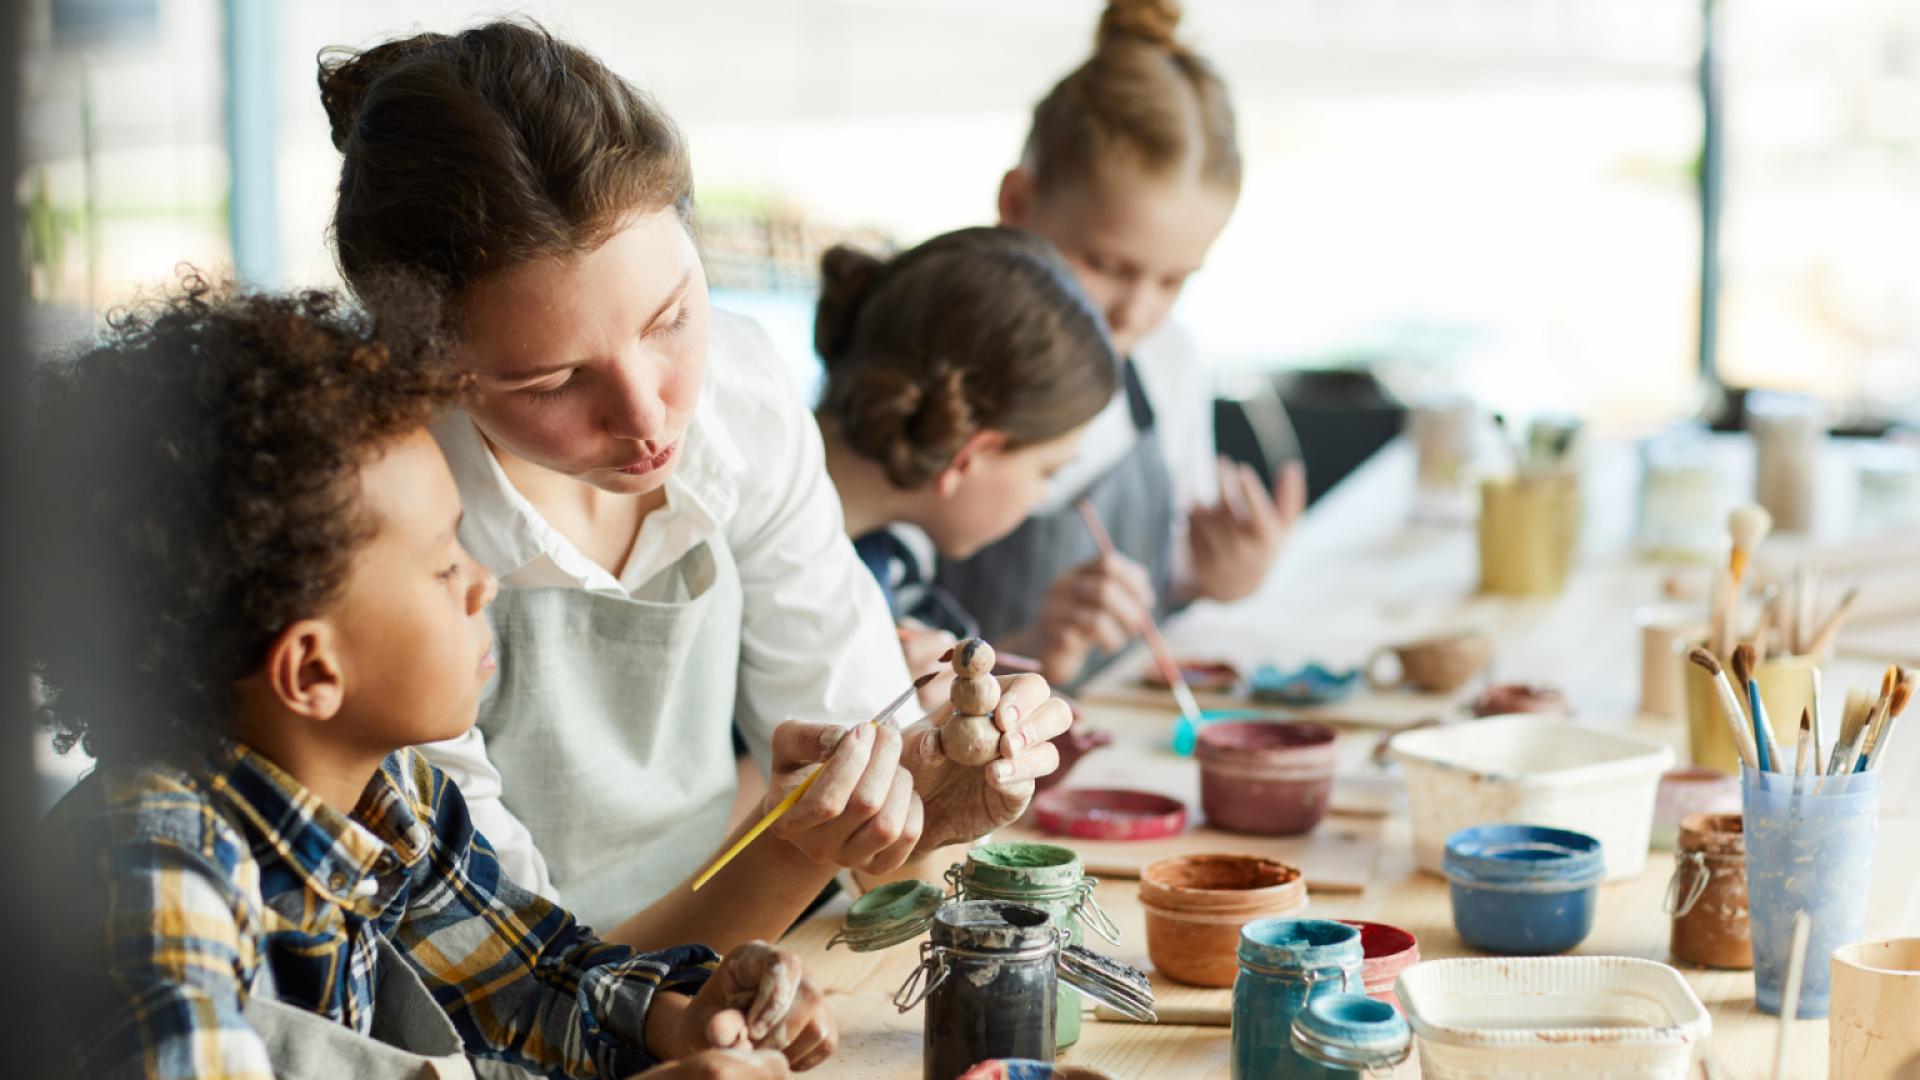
(1003, 585)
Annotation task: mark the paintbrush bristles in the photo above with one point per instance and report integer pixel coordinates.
(1701, 656)
(1747, 526)
(1744, 663)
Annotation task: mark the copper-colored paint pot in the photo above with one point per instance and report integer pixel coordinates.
(1196, 904)
(1708, 894)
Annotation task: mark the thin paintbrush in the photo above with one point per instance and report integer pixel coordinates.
(1744, 663)
(1829, 631)
(1730, 707)
(1819, 727)
(1857, 757)
(1162, 656)
(1802, 748)
(1877, 741)
(793, 796)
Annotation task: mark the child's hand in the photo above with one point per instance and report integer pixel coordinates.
(722, 1065)
(862, 812)
(761, 998)
(923, 646)
(1104, 602)
(965, 803)
(1235, 541)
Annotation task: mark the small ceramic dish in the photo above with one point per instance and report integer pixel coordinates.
(1108, 814)
(1203, 676)
(1312, 684)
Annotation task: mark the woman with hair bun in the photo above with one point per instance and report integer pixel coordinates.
(1131, 169)
(646, 485)
(960, 378)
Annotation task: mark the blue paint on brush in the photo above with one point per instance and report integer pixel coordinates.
(1759, 714)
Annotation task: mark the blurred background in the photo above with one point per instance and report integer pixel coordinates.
(1495, 197)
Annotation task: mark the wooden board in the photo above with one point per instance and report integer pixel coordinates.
(1336, 857)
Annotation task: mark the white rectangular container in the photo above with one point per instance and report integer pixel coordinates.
(1530, 771)
(1558, 1017)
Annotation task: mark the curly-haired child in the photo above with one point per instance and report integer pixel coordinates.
(258, 602)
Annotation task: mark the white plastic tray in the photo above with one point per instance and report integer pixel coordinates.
(1561, 1017)
(1530, 771)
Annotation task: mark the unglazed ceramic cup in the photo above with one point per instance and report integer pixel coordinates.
(1439, 664)
(1196, 904)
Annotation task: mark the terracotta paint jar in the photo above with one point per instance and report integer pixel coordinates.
(1708, 894)
(1265, 777)
(1389, 950)
(1196, 904)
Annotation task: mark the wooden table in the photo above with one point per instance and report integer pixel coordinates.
(1354, 575)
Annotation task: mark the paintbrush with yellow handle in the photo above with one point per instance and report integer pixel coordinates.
(793, 796)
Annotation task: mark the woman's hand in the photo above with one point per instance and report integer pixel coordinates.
(1235, 541)
(1104, 602)
(923, 646)
(759, 998)
(963, 803)
(862, 812)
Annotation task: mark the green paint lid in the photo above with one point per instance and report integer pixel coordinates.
(895, 912)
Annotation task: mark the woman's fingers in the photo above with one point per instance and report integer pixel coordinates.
(886, 827)
(827, 798)
(1008, 773)
(1290, 492)
(799, 742)
(895, 855)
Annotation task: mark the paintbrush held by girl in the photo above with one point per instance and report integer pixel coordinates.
(961, 377)
(1131, 169)
(640, 474)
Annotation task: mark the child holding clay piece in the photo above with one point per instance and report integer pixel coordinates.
(1131, 169)
(960, 375)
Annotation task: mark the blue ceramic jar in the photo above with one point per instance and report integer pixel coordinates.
(1284, 965)
(1351, 1035)
(1524, 890)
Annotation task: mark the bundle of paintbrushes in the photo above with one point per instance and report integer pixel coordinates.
(1787, 624)
(1866, 724)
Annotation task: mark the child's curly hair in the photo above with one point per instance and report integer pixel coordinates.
(192, 480)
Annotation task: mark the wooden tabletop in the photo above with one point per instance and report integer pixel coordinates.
(1357, 574)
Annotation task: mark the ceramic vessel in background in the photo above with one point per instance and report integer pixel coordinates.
(1529, 532)
(1273, 779)
(1708, 894)
(1691, 790)
(1439, 664)
(1195, 906)
(1874, 1026)
(1666, 632)
(1389, 950)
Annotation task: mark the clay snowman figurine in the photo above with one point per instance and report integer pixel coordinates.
(969, 735)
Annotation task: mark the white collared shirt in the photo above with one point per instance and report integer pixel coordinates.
(816, 640)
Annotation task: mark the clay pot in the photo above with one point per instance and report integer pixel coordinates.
(1708, 895)
(1437, 665)
(1196, 904)
(1389, 950)
(1264, 777)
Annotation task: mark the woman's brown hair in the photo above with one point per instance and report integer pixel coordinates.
(980, 329)
(496, 146)
(1142, 99)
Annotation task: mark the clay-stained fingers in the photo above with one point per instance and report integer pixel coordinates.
(827, 799)
(886, 827)
(895, 855)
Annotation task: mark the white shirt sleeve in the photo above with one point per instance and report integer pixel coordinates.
(816, 640)
(1180, 388)
(464, 760)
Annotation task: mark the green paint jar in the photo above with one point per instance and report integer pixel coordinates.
(1047, 877)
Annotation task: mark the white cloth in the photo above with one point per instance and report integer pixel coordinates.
(816, 640)
(1180, 388)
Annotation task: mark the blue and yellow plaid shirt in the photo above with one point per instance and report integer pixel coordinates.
(196, 889)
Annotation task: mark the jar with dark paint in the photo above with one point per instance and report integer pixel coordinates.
(1265, 777)
(1284, 965)
(1523, 890)
(1047, 877)
(1708, 894)
(1347, 1036)
(990, 977)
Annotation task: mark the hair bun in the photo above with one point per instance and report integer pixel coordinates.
(1149, 21)
(346, 74)
(847, 277)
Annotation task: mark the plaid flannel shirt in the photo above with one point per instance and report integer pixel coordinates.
(198, 888)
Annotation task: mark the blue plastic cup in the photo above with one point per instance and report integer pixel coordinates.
(1810, 852)
(1523, 890)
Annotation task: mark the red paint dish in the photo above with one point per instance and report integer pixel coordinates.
(1389, 950)
(1108, 814)
(1203, 676)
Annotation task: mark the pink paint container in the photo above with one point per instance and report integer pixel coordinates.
(1389, 950)
(1687, 791)
(1265, 777)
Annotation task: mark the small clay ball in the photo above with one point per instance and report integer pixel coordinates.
(972, 657)
(976, 695)
(970, 740)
